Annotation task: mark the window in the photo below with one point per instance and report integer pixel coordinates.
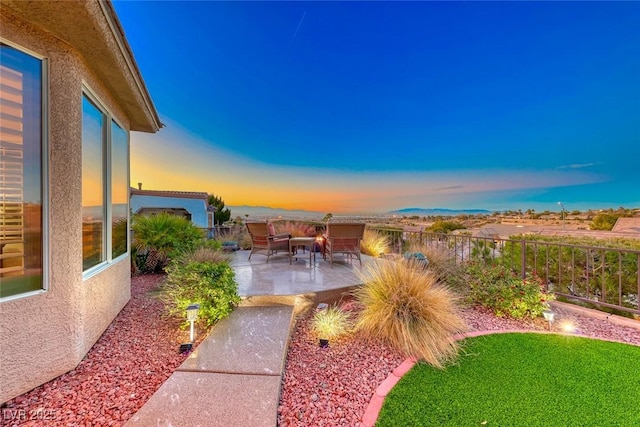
(119, 190)
(93, 207)
(105, 186)
(21, 172)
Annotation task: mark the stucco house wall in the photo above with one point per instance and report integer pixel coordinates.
(48, 334)
(197, 207)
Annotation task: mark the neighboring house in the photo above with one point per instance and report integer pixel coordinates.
(190, 205)
(501, 231)
(70, 93)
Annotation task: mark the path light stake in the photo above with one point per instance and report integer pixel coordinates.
(192, 316)
(549, 317)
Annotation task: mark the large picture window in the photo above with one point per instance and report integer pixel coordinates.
(119, 190)
(105, 186)
(21, 171)
(94, 136)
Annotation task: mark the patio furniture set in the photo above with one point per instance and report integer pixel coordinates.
(338, 238)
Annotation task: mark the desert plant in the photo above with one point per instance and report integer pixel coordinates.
(441, 226)
(295, 228)
(162, 236)
(331, 323)
(205, 254)
(499, 289)
(410, 310)
(374, 243)
(210, 284)
(442, 265)
(238, 234)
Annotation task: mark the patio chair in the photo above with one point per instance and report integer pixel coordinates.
(344, 238)
(264, 239)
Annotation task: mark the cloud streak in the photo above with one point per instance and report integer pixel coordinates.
(295, 34)
(578, 165)
(174, 159)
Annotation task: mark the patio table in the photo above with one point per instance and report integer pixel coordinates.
(304, 242)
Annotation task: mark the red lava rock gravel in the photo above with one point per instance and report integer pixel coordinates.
(130, 361)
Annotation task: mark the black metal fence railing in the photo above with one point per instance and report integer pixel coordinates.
(607, 277)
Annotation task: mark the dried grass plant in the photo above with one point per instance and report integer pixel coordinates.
(443, 266)
(296, 228)
(410, 310)
(375, 244)
(207, 254)
(331, 323)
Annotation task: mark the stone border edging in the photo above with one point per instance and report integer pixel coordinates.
(375, 404)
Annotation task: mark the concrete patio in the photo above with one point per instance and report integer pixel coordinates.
(233, 377)
(300, 284)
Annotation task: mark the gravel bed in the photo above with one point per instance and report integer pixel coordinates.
(130, 361)
(321, 387)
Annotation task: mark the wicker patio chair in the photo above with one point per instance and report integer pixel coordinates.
(264, 239)
(343, 238)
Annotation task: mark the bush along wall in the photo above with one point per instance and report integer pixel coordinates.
(212, 285)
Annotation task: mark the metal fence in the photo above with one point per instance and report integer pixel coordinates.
(607, 277)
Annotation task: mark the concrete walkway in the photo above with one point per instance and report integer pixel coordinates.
(232, 378)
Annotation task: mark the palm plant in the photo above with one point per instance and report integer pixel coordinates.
(162, 236)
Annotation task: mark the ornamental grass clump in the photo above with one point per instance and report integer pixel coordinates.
(442, 265)
(206, 254)
(296, 228)
(374, 243)
(331, 323)
(407, 308)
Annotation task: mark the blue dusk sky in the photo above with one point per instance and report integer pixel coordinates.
(364, 107)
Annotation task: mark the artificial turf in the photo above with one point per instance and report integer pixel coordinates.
(521, 379)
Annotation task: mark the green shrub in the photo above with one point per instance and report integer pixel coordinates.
(212, 285)
(499, 289)
(441, 226)
(410, 310)
(331, 323)
(163, 236)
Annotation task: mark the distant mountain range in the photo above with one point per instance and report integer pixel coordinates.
(438, 212)
(261, 212)
(264, 211)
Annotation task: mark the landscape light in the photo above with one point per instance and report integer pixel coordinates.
(192, 315)
(568, 327)
(549, 316)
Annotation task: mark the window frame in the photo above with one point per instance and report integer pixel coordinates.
(107, 185)
(44, 169)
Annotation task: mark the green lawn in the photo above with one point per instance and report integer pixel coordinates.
(522, 380)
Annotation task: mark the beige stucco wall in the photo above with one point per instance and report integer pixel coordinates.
(46, 335)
